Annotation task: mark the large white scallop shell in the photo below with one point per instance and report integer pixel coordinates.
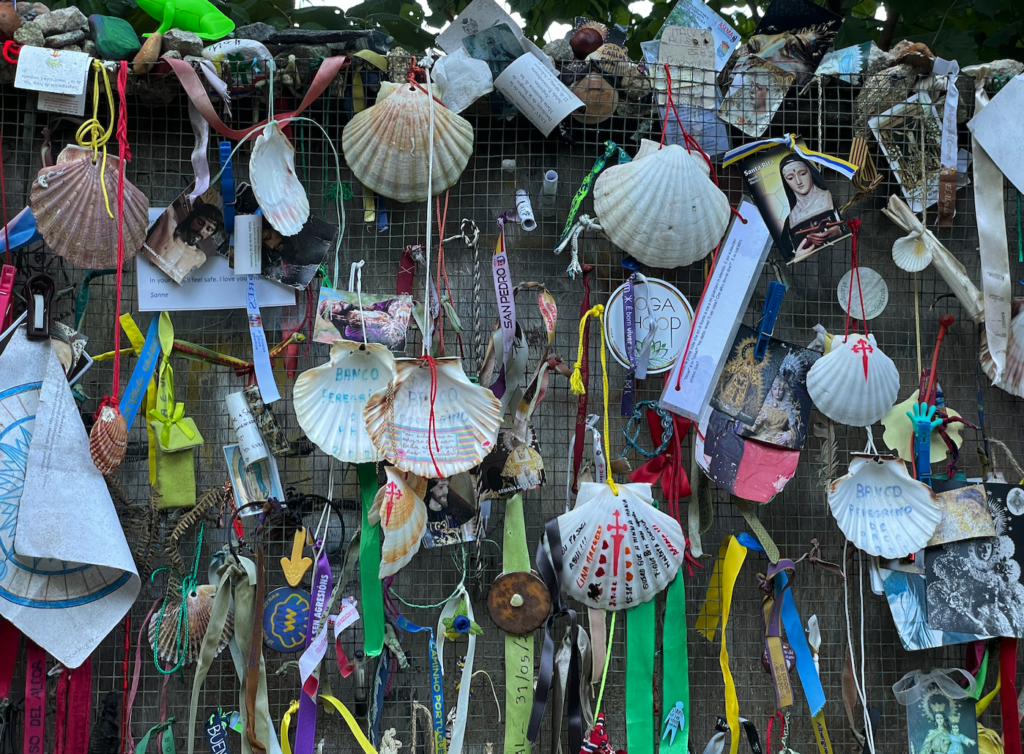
(466, 419)
(911, 253)
(386, 145)
(274, 182)
(329, 399)
(662, 209)
(71, 212)
(1013, 372)
(854, 383)
(882, 509)
(403, 518)
(619, 550)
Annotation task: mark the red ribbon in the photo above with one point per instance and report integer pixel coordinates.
(668, 466)
(35, 700)
(9, 640)
(1008, 695)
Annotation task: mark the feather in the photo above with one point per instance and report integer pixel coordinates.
(106, 734)
(828, 451)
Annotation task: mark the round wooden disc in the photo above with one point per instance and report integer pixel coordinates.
(533, 611)
(598, 95)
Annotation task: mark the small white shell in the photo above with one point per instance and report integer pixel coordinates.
(403, 517)
(329, 399)
(854, 383)
(882, 509)
(274, 182)
(662, 209)
(620, 551)
(386, 145)
(466, 416)
(911, 253)
(1013, 371)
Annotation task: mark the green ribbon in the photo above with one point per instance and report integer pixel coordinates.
(82, 299)
(771, 550)
(177, 414)
(369, 566)
(518, 649)
(166, 742)
(675, 664)
(639, 679)
(610, 149)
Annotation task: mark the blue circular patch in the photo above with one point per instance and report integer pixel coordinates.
(285, 613)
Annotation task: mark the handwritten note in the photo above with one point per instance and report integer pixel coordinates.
(250, 441)
(537, 93)
(56, 71)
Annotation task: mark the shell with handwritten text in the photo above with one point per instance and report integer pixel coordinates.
(620, 551)
(854, 383)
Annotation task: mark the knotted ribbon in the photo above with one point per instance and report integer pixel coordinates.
(573, 238)
(175, 419)
(667, 466)
(909, 689)
(841, 166)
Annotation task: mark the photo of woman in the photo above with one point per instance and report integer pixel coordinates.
(185, 235)
(380, 319)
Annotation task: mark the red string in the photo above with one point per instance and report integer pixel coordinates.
(782, 726)
(700, 303)
(854, 226)
(413, 70)
(3, 194)
(11, 51)
(124, 156)
(432, 422)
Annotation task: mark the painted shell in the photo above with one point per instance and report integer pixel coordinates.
(662, 209)
(882, 509)
(274, 182)
(1013, 371)
(466, 419)
(71, 212)
(854, 383)
(620, 551)
(108, 440)
(911, 253)
(329, 399)
(386, 145)
(199, 608)
(403, 518)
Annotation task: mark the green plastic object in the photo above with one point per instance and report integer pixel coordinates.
(198, 16)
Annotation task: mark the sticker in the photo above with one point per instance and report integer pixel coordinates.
(672, 314)
(872, 288)
(285, 614)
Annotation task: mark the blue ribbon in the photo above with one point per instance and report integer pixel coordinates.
(143, 372)
(227, 186)
(216, 735)
(436, 683)
(380, 684)
(795, 634)
(847, 169)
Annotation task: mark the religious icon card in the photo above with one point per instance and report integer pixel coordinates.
(786, 412)
(937, 724)
(350, 316)
(187, 234)
(745, 381)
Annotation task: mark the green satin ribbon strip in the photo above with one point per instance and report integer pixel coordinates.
(518, 649)
(771, 551)
(166, 742)
(639, 679)
(675, 664)
(369, 566)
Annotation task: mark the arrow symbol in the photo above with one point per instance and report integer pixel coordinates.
(296, 566)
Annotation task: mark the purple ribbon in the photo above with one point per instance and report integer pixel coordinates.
(629, 330)
(320, 592)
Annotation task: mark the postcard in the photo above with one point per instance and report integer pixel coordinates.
(690, 56)
(483, 14)
(786, 412)
(793, 35)
(694, 14)
(187, 234)
(910, 136)
(745, 381)
(938, 723)
(964, 514)
(254, 483)
(350, 316)
(754, 96)
(537, 93)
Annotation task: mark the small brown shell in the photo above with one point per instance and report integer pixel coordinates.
(598, 95)
(199, 607)
(108, 440)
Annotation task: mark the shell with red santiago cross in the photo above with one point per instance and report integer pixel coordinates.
(854, 383)
(108, 440)
(402, 514)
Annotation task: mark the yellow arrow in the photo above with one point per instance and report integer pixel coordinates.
(296, 566)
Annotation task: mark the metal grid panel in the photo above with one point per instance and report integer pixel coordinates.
(161, 142)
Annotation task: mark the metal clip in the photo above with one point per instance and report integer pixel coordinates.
(769, 313)
(38, 296)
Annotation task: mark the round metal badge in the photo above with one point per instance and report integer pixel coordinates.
(518, 602)
(672, 314)
(285, 612)
(872, 287)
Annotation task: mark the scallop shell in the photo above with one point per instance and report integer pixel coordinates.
(882, 509)
(599, 96)
(274, 182)
(911, 253)
(108, 440)
(199, 607)
(649, 147)
(329, 399)
(663, 210)
(403, 518)
(854, 383)
(1013, 371)
(467, 418)
(385, 144)
(71, 213)
(620, 551)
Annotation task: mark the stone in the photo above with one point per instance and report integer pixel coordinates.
(185, 42)
(259, 31)
(315, 36)
(238, 53)
(147, 56)
(114, 37)
(31, 11)
(303, 52)
(61, 21)
(61, 41)
(30, 34)
(559, 50)
(172, 54)
(10, 21)
(72, 48)
(89, 48)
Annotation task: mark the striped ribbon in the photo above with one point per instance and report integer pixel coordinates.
(847, 169)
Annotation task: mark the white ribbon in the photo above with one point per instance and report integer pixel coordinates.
(600, 464)
(462, 706)
(814, 640)
(314, 653)
(584, 222)
(950, 69)
(910, 688)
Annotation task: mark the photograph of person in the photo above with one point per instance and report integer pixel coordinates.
(185, 235)
(754, 95)
(383, 319)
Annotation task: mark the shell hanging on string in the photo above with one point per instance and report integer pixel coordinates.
(386, 145)
(854, 383)
(274, 183)
(465, 423)
(911, 253)
(1013, 371)
(199, 607)
(71, 213)
(882, 509)
(620, 551)
(403, 518)
(662, 209)
(329, 399)
(108, 440)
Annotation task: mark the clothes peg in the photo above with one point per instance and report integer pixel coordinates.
(6, 288)
(38, 294)
(769, 313)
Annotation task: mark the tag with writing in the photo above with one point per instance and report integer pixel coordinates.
(55, 71)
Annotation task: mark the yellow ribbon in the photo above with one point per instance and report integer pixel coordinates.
(91, 134)
(576, 381)
(175, 418)
(286, 722)
(986, 700)
(717, 605)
